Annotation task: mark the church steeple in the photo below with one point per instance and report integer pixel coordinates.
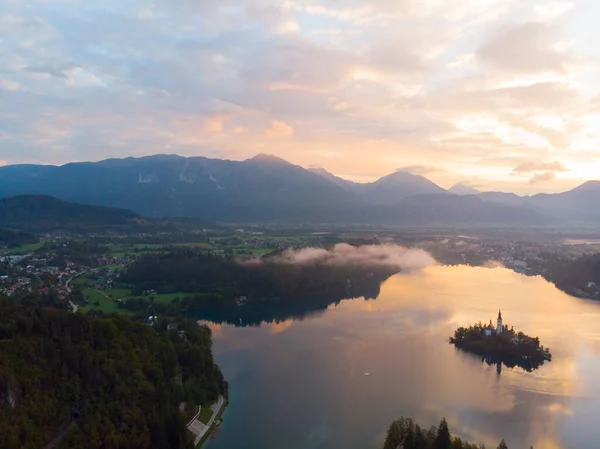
(499, 327)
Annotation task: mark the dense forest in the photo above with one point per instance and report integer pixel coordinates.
(509, 347)
(80, 252)
(10, 238)
(579, 276)
(218, 281)
(405, 434)
(94, 381)
(41, 213)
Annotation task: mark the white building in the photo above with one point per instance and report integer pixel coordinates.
(499, 327)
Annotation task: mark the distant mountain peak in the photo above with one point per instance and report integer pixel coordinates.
(320, 171)
(264, 158)
(400, 176)
(340, 182)
(588, 186)
(463, 189)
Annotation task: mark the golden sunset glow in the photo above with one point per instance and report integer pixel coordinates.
(467, 91)
(401, 340)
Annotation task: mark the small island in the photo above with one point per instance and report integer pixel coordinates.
(501, 345)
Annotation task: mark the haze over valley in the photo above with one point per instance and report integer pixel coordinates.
(267, 188)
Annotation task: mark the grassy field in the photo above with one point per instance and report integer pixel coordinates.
(120, 250)
(82, 281)
(107, 303)
(92, 295)
(205, 415)
(118, 293)
(104, 304)
(26, 249)
(195, 245)
(166, 298)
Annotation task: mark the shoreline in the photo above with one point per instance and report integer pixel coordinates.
(201, 431)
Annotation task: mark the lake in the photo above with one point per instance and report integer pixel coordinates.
(300, 383)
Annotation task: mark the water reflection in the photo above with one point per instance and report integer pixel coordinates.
(256, 314)
(300, 382)
(510, 362)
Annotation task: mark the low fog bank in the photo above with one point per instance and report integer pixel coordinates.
(343, 254)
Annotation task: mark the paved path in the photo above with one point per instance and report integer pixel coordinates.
(74, 306)
(198, 428)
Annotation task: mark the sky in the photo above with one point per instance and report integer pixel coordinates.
(496, 94)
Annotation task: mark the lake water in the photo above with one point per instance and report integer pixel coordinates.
(300, 383)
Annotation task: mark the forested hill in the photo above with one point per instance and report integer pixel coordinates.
(11, 238)
(225, 280)
(42, 213)
(579, 276)
(126, 380)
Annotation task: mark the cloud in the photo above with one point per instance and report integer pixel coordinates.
(493, 264)
(541, 177)
(420, 169)
(529, 47)
(527, 167)
(471, 184)
(557, 138)
(9, 85)
(214, 124)
(343, 254)
(396, 55)
(58, 70)
(293, 62)
(374, 82)
(278, 128)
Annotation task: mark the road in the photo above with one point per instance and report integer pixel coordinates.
(199, 429)
(67, 286)
(74, 306)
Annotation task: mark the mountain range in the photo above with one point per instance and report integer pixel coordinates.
(266, 188)
(41, 212)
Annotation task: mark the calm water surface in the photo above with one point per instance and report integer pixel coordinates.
(300, 383)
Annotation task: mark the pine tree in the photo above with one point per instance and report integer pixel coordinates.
(502, 445)
(409, 439)
(442, 440)
(392, 439)
(420, 442)
(457, 443)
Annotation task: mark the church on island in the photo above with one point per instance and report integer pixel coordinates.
(500, 329)
(501, 344)
(489, 330)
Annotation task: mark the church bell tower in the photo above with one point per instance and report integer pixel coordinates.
(499, 327)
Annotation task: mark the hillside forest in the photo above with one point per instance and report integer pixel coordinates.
(217, 281)
(100, 382)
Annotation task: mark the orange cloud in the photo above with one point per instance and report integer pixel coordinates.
(542, 177)
(527, 167)
(279, 129)
(214, 124)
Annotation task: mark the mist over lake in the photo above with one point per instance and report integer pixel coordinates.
(300, 382)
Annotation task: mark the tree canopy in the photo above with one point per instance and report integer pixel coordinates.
(224, 280)
(123, 381)
(509, 347)
(404, 433)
